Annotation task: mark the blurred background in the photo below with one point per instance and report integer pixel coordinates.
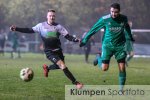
(77, 16)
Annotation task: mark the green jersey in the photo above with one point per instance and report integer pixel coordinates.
(114, 30)
(127, 36)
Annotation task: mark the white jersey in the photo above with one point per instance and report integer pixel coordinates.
(50, 34)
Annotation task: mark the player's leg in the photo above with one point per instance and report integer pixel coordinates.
(13, 53)
(86, 54)
(120, 56)
(50, 56)
(48, 68)
(19, 52)
(105, 65)
(58, 59)
(53, 67)
(14, 49)
(95, 62)
(1, 50)
(122, 73)
(66, 71)
(107, 53)
(98, 60)
(69, 75)
(2, 46)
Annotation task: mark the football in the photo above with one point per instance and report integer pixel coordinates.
(26, 74)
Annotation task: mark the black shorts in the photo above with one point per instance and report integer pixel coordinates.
(54, 56)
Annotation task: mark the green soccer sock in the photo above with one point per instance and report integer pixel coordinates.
(69, 75)
(99, 62)
(122, 79)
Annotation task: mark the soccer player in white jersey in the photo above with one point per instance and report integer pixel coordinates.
(50, 32)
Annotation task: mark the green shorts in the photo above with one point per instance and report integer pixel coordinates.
(108, 51)
(129, 46)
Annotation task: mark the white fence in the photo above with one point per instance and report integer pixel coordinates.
(139, 49)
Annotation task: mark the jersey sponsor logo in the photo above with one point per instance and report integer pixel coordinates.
(51, 34)
(115, 29)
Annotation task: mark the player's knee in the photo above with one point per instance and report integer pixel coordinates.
(105, 67)
(61, 64)
(122, 67)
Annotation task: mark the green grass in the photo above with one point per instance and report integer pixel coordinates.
(53, 87)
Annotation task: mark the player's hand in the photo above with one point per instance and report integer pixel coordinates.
(13, 28)
(79, 40)
(76, 40)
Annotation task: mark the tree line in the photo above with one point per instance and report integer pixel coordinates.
(76, 15)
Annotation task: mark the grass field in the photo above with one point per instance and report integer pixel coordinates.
(53, 87)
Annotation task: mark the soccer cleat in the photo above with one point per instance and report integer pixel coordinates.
(45, 70)
(95, 62)
(79, 85)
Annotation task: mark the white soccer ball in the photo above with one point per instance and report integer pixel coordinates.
(26, 74)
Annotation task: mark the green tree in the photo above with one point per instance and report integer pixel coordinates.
(74, 14)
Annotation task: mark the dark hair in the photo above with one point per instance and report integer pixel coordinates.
(51, 10)
(116, 6)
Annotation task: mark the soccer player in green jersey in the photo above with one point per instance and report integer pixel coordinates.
(113, 41)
